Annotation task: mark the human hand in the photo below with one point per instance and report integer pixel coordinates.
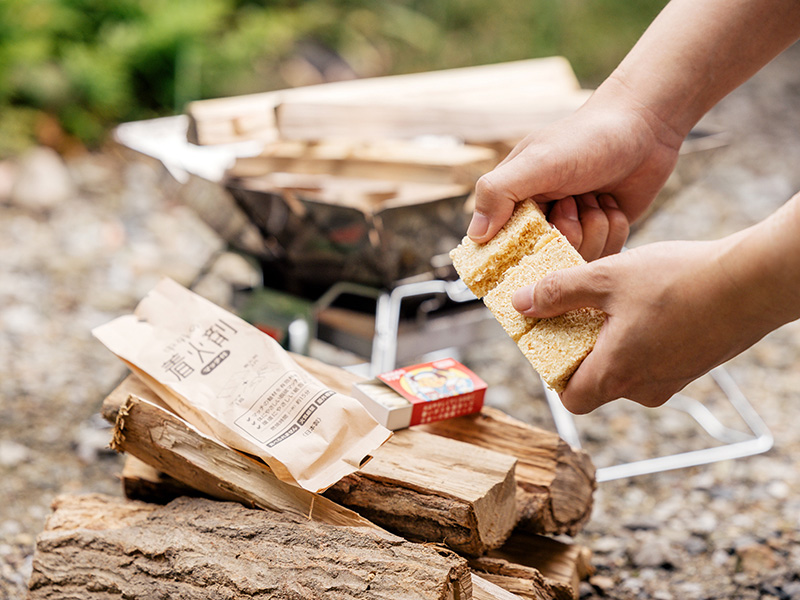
(674, 311)
(598, 170)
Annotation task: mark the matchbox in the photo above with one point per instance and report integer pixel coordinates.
(422, 393)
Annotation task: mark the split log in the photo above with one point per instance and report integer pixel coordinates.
(100, 547)
(163, 440)
(482, 589)
(417, 484)
(557, 561)
(389, 160)
(560, 563)
(430, 488)
(224, 120)
(555, 483)
(523, 581)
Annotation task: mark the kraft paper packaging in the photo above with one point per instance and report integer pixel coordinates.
(235, 383)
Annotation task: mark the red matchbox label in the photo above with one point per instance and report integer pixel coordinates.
(438, 390)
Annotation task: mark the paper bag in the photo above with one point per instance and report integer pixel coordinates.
(236, 383)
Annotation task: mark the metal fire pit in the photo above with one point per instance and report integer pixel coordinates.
(321, 230)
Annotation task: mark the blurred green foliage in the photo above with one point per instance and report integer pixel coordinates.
(88, 64)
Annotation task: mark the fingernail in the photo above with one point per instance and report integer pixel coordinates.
(522, 300)
(569, 209)
(608, 201)
(478, 226)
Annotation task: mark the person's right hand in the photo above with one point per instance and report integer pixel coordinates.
(612, 155)
(674, 310)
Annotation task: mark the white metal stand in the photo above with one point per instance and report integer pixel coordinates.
(737, 444)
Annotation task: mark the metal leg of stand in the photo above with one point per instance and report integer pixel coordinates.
(738, 444)
(387, 317)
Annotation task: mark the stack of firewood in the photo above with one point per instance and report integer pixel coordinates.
(456, 509)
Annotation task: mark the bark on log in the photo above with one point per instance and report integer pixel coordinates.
(417, 484)
(98, 547)
(555, 482)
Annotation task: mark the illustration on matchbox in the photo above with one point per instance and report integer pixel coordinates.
(422, 393)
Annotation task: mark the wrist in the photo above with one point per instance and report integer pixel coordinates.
(762, 264)
(618, 93)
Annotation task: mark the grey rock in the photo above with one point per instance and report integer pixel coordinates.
(654, 553)
(791, 590)
(43, 181)
(695, 545)
(13, 454)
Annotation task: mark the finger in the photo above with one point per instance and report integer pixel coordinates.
(595, 227)
(564, 215)
(585, 390)
(618, 225)
(497, 192)
(562, 291)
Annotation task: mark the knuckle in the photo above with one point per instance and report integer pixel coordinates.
(486, 187)
(548, 292)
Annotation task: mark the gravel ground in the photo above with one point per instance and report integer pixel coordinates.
(82, 242)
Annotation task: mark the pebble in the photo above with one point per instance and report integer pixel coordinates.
(602, 583)
(695, 545)
(13, 454)
(791, 590)
(8, 175)
(756, 559)
(656, 552)
(43, 181)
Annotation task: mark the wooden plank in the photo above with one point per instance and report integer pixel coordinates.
(394, 160)
(555, 482)
(368, 196)
(98, 547)
(225, 120)
(417, 484)
(307, 120)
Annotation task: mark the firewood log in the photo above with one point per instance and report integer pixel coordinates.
(99, 547)
(414, 484)
(555, 483)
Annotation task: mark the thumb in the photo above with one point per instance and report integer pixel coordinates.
(562, 291)
(498, 191)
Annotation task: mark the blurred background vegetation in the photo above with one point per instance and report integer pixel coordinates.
(71, 69)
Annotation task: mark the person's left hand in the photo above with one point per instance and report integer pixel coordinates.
(674, 311)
